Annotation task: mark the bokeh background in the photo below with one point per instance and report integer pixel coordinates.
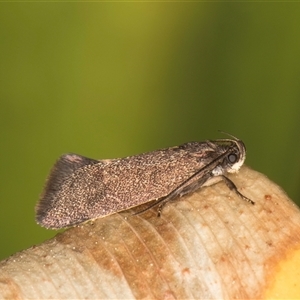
(115, 79)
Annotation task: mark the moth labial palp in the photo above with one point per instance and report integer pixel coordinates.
(79, 189)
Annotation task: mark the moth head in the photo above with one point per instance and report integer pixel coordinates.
(236, 156)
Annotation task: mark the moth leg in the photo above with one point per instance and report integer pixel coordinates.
(160, 202)
(181, 190)
(233, 187)
(160, 207)
(186, 188)
(156, 202)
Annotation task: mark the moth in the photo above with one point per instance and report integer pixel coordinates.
(80, 189)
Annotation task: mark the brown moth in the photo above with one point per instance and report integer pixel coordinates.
(80, 189)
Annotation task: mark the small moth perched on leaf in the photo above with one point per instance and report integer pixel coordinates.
(80, 189)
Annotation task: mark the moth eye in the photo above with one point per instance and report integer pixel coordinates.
(232, 158)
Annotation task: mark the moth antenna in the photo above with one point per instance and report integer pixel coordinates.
(226, 133)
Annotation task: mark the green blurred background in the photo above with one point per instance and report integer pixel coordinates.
(115, 79)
